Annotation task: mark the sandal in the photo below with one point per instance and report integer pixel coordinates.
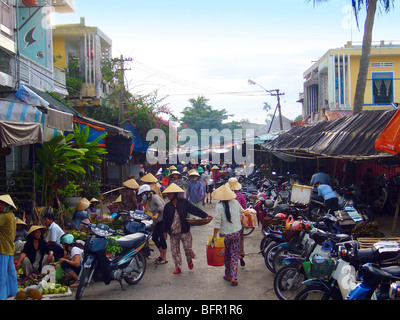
(190, 265)
(158, 259)
(74, 285)
(161, 261)
(227, 278)
(234, 282)
(177, 271)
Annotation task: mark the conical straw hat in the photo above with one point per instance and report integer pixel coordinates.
(215, 168)
(149, 178)
(223, 193)
(131, 184)
(7, 199)
(194, 173)
(119, 199)
(173, 188)
(34, 228)
(175, 172)
(234, 184)
(172, 168)
(94, 200)
(83, 204)
(19, 221)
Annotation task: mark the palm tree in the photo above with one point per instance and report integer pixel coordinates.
(371, 7)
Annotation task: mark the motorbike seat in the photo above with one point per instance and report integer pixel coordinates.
(132, 240)
(341, 237)
(394, 271)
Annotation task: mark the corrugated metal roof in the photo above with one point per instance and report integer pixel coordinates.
(351, 137)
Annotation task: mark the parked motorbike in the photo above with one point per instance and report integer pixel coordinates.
(375, 265)
(295, 268)
(129, 265)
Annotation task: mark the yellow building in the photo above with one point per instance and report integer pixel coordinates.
(330, 83)
(82, 49)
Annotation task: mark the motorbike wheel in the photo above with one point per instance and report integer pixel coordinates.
(83, 282)
(135, 277)
(288, 282)
(317, 293)
(269, 256)
(280, 255)
(248, 230)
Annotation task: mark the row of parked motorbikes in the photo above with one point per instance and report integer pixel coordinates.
(312, 257)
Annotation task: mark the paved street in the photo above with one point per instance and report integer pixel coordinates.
(202, 283)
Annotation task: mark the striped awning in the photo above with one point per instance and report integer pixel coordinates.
(12, 110)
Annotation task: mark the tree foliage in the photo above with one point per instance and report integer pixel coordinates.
(200, 115)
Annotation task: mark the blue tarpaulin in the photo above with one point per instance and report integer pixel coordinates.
(138, 144)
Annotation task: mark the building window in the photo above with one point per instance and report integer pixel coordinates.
(382, 88)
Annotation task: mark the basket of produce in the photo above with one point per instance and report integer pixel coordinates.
(198, 221)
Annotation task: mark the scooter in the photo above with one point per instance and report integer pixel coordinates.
(128, 265)
(374, 265)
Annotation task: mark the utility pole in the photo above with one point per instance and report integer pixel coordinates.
(278, 95)
(274, 93)
(122, 61)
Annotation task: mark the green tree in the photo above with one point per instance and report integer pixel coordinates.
(200, 115)
(94, 153)
(56, 158)
(371, 7)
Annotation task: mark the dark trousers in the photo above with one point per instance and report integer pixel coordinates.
(158, 237)
(332, 205)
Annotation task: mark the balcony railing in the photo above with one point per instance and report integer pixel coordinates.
(6, 19)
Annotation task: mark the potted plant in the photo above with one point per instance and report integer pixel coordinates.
(70, 195)
(91, 188)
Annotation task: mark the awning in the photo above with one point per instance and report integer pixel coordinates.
(389, 139)
(14, 110)
(13, 133)
(111, 130)
(351, 138)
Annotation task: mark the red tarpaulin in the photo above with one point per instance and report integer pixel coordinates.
(389, 140)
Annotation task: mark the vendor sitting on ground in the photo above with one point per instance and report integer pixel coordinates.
(72, 265)
(20, 236)
(81, 214)
(36, 253)
(54, 233)
(22, 231)
(94, 203)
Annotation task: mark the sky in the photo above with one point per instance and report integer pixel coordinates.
(186, 48)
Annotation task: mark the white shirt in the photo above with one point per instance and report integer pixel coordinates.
(55, 233)
(74, 252)
(220, 221)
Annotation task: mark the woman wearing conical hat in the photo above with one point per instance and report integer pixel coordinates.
(152, 181)
(8, 227)
(81, 214)
(175, 224)
(36, 253)
(227, 224)
(129, 196)
(176, 177)
(235, 186)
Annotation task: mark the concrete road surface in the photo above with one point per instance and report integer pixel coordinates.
(202, 283)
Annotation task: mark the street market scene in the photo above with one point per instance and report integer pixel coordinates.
(119, 181)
